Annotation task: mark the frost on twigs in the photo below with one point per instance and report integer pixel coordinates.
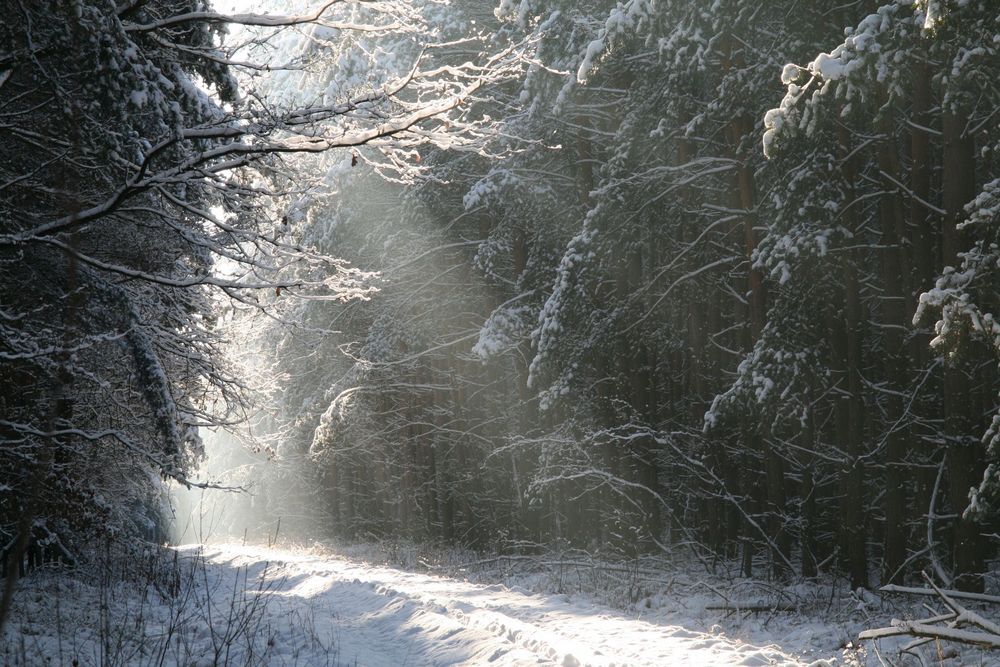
(151, 190)
(964, 307)
(776, 380)
(847, 73)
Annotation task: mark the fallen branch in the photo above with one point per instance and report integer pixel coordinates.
(917, 629)
(751, 607)
(960, 595)
(986, 633)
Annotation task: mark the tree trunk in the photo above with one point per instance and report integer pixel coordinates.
(850, 408)
(774, 468)
(808, 491)
(894, 325)
(965, 460)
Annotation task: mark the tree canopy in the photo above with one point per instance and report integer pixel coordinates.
(627, 276)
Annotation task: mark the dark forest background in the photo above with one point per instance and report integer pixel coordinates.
(678, 294)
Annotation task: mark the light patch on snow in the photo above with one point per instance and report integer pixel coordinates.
(248, 605)
(389, 617)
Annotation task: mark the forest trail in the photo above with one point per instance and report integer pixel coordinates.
(360, 614)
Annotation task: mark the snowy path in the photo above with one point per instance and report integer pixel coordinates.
(372, 616)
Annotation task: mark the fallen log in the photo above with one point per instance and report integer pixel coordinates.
(959, 595)
(752, 607)
(917, 629)
(986, 633)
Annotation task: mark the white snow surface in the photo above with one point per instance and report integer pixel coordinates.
(385, 616)
(253, 605)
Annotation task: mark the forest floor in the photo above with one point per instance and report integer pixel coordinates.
(232, 604)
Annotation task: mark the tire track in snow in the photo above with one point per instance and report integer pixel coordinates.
(385, 616)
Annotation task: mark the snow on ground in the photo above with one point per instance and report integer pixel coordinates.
(250, 605)
(388, 617)
(226, 604)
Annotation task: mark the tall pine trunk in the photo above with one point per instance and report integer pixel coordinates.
(965, 464)
(850, 408)
(894, 298)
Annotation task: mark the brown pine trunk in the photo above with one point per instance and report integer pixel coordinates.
(773, 492)
(850, 408)
(642, 450)
(965, 460)
(894, 325)
(923, 232)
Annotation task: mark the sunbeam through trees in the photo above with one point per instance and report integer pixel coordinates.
(640, 279)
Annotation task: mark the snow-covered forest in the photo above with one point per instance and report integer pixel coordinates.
(660, 284)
